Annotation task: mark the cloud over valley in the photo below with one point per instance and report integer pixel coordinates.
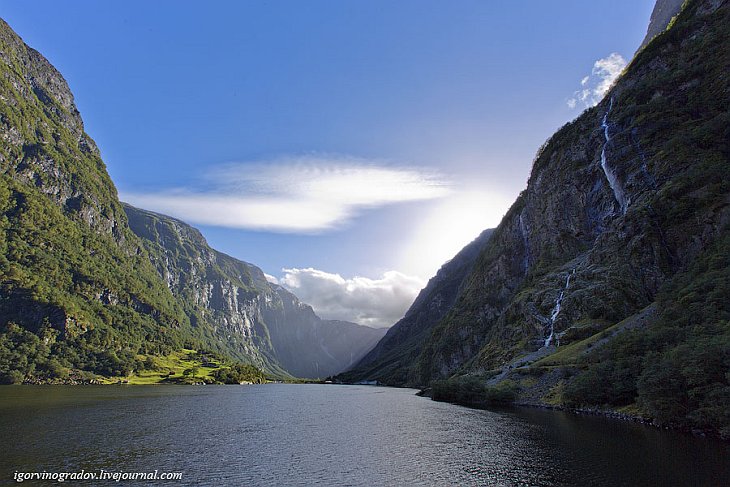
(373, 302)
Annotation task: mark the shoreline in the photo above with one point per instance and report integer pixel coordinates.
(421, 392)
(596, 412)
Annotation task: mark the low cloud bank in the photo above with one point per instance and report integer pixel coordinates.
(372, 302)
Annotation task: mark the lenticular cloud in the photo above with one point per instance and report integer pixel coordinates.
(297, 195)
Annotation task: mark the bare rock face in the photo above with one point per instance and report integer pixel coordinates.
(34, 74)
(44, 143)
(664, 11)
(259, 321)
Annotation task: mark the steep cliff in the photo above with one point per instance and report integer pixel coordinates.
(606, 283)
(222, 296)
(392, 360)
(71, 271)
(246, 315)
(619, 201)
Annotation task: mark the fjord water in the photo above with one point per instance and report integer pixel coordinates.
(334, 435)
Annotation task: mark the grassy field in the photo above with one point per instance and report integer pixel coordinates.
(170, 369)
(569, 354)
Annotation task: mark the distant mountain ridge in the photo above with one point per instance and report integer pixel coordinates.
(315, 347)
(661, 15)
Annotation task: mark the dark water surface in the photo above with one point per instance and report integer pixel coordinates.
(332, 435)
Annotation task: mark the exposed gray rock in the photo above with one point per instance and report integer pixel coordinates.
(264, 322)
(664, 11)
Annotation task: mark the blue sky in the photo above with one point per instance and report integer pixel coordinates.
(357, 144)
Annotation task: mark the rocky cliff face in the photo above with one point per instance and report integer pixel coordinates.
(605, 285)
(224, 297)
(619, 201)
(392, 360)
(44, 143)
(249, 317)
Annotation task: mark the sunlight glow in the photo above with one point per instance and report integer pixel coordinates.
(450, 225)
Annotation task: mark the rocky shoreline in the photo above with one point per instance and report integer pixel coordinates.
(620, 416)
(594, 411)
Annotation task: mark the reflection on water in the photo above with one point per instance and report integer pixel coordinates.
(335, 435)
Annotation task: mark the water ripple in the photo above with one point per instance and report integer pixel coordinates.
(335, 435)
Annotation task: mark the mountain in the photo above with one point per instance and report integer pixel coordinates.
(663, 13)
(390, 361)
(606, 284)
(219, 294)
(264, 322)
(314, 347)
(75, 287)
(91, 286)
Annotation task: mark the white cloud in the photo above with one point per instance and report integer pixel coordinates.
(304, 194)
(607, 70)
(596, 85)
(354, 181)
(373, 302)
(271, 279)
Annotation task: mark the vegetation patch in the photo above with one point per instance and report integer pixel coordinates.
(185, 366)
(473, 392)
(676, 371)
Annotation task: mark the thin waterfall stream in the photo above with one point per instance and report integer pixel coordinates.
(618, 191)
(556, 310)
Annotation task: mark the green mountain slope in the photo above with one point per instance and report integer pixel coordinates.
(89, 286)
(606, 282)
(70, 268)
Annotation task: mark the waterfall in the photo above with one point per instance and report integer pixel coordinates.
(618, 191)
(556, 310)
(525, 243)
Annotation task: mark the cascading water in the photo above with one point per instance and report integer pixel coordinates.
(556, 310)
(618, 191)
